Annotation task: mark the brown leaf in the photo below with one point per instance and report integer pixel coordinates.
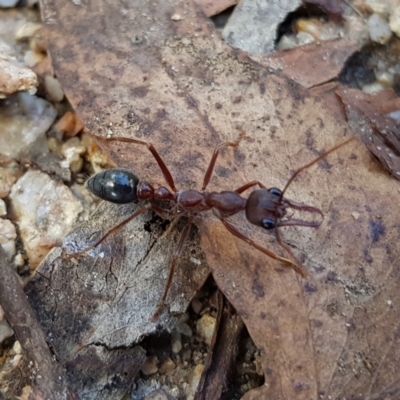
(213, 7)
(366, 114)
(177, 84)
(313, 64)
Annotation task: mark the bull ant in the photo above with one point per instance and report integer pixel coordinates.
(263, 207)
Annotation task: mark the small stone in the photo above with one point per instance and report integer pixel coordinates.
(394, 115)
(184, 328)
(27, 30)
(356, 29)
(304, 38)
(205, 327)
(15, 77)
(149, 367)
(24, 121)
(69, 124)
(46, 211)
(157, 395)
(195, 378)
(17, 347)
(176, 342)
(8, 3)
(373, 87)
(379, 30)
(187, 355)
(394, 21)
(287, 42)
(166, 366)
(54, 145)
(310, 26)
(72, 150)
(19, 260)
(32, 58)
(38, 44)
(197, 305)
(355, 215)
(53, 89)
(7, 237)
(379, 6)
(385, 78)
(5, 330)
(9, 173)
(176, 17)
(3, 208)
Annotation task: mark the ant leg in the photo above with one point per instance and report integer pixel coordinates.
(271, 254)
(178, 251)
(211, 166)
(160, 162)
(165, 214)
(248, 185)
(300, 268)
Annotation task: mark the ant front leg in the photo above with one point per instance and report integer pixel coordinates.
(165, 214)
(165, 171)
(211, 166)
(289, 263)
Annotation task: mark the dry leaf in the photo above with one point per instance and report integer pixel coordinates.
(179, 86)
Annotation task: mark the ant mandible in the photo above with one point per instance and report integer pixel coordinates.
(264, 207)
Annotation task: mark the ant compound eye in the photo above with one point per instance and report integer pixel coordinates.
(268, 223)
(275, 192)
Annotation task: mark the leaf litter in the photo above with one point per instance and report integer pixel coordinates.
(320, 338)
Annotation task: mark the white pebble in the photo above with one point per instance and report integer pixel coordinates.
(395, 115)
(373, 87)
(27, 30)
(53, 89)
(286, 42)
(8, 3)
(156, 395)
(176, 342)
(385, 78)
(379, 30)
(176, 17)
(379, 6)
(3, 208)
(304, 38)
(7, 237)
(394, 21)
(5, 330)
(46, 211)
(205, 327)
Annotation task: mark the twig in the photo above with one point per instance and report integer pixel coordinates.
(49, 378)
(224, 344)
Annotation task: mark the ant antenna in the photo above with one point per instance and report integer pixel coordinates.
(314, 162)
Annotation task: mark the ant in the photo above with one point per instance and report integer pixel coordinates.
(263, 207)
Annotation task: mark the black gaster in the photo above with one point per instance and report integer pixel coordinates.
(116, 185)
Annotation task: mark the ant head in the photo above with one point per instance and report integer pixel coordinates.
(116, 185)
(264, 207)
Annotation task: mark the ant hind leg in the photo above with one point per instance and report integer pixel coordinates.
(175, 258)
